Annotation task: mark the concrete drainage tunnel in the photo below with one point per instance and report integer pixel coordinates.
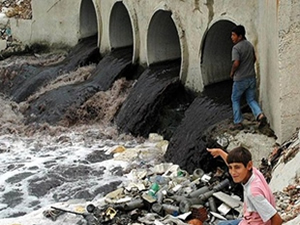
(159, 102)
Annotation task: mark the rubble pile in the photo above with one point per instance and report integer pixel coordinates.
(165, 194)
(288, 201)
(20, 9)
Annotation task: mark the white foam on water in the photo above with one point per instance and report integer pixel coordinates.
(41, 157)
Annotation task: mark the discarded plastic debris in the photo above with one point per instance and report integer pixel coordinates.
(182, 173)
(110, 213)
(205, 178)
(171, 209)
(154, 188)
(93, 209)
(175, 195)
(161, 180)
(223, 141)
(149, 198)
(217, 215)
(224, 209)
(90, 218)
(230, 201)
(161, 193)
(198, 173)
(157, 208)
(53, 214)
(212, 204)
(198, 192)
(134, 204)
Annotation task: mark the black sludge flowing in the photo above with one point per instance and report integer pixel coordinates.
(52, 105)
(31, 78)
(156, 88)
(187, 147)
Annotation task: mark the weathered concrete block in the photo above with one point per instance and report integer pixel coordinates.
(2, 45)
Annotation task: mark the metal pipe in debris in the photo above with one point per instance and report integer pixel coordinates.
(136, 203)
(198, 192)
(216, 188)
(212, 204)
(185, 204)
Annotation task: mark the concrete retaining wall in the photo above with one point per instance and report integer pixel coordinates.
(197, 31)
(288, 50)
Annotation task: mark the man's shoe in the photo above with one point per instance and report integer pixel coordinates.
(237, 126)
(262, 122)
(262, 119)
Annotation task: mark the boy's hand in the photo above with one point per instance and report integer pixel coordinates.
(215, 152)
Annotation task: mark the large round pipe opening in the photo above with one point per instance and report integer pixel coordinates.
(120, 28)
(162, 40)
(88, 19)
(216, 53)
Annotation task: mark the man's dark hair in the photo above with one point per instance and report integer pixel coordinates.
(239, 155)
(239, 30)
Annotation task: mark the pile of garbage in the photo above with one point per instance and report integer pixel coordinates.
(20, 9)
(164, 194)
(288, 201)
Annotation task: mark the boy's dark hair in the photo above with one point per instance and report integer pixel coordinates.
(239, 30)
(239, 155)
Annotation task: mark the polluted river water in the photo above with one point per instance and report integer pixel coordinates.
(46, 165)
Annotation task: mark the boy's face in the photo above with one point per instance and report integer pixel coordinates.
(235, 38)
(240, 173)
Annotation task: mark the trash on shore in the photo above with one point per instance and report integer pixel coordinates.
(164, 194)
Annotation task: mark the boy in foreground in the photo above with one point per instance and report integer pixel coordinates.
(259, 202)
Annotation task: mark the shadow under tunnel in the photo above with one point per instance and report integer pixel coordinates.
(216, 53)
(163, 42)
(120, 28)
(158, 100)
(88, 19)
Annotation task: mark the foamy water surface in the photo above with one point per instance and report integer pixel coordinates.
(71, 166)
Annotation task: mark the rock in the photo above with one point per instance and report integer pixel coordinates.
(3, 19)
(2, 45)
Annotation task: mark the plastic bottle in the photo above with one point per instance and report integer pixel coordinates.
(212, 204)
(161, 193)
(171, 209)
(136, 203)
(157, 208)
(153, 189)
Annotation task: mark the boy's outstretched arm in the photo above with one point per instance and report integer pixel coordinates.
(276, 219)
(215, 152)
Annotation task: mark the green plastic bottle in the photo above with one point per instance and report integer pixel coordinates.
(153, 189)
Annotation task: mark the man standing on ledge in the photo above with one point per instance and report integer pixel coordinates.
(244, 78)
